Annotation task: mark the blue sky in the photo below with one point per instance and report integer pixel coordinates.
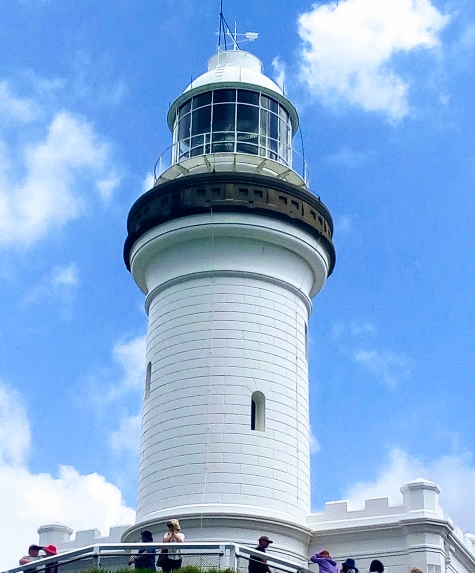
(384, 89)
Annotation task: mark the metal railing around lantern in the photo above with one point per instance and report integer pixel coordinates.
(175, 157)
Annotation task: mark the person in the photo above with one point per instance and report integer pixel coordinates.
(173, 535)
(325, 562)
(349, 566)
(33, 555)
(51, 550)
(146, 557)
(376, 566)
(257, 565)
(416, 570)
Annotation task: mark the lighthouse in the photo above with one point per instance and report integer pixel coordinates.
(229, 247)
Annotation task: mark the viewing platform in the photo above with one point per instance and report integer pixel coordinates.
(114, 557)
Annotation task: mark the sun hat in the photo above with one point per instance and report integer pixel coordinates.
(175, 523)
(50, 550)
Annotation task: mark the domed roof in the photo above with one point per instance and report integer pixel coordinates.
(234, 69)
(234, 66)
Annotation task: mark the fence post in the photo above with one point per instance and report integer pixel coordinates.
(232, 557)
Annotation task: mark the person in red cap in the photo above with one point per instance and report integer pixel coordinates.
(53, 566)
(50, 550)
(257, 565)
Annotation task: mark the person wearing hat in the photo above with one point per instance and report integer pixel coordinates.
(349, 566)
(52, 567)
(257, 565)
(146, 557)
(325, 562)
(172, 535)
(33, 555)
(376, 566)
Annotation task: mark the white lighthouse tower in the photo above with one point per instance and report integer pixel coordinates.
(229, 248)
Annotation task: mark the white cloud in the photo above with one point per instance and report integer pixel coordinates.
(67, 276)
(389, 367)
(455, 475)
(107, 186)
(121, 383)
(348, 157)
(353, 330)
(15, 108)
(363, 329)
(131, 356)
(58, 286)
(314, 443)
(15, 432)
(357, 340)
(127, 437)
(279, 72)
(349, 46)
(50, 193)
(125, 391)
(94, 79)
(465, 44)
(30, 500)
(148, 182)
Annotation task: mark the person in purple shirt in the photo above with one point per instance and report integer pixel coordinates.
(325, 562)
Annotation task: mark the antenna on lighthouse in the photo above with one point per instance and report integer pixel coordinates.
(225, 31)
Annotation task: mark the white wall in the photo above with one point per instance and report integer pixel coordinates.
(228, 302)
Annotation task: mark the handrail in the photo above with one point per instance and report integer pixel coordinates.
(204, 548)
(243, 551)
(165, 160)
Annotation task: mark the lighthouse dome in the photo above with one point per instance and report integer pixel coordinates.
(235, 66)
(233, 69)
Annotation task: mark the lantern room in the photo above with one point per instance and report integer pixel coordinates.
(233, 108)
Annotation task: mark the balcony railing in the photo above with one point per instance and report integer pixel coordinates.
(298, 163)
(206, 555)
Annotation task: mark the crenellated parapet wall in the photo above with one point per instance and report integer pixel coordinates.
(60, 535)
(414, 533)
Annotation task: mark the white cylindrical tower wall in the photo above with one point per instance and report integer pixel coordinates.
(212, 343)
(228, 315)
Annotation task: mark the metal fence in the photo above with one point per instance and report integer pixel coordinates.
(114, 557)
(298, 163)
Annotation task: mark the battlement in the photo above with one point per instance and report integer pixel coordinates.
(60, 535)
(420, 504)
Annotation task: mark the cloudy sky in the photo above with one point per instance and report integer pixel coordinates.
(384, 89)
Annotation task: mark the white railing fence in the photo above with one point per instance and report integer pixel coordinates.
(114, 556)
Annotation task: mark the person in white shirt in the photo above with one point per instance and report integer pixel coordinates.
(173, 535)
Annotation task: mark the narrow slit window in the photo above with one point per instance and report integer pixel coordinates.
(148, 378)
(258, 418)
